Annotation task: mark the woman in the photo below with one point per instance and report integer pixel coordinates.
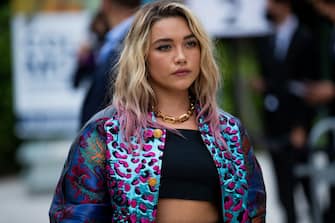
(134, 163)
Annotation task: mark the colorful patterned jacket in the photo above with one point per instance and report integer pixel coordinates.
(106, 180)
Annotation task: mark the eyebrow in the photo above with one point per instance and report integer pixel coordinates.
(170, 40)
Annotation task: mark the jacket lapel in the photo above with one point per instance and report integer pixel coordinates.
(229, 160)
(134, 173)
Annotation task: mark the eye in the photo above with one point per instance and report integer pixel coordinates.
(191, 43)
(164, 47)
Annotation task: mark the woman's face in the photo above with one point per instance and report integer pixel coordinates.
(174, 56)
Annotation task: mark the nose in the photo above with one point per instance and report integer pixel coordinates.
(180, 57)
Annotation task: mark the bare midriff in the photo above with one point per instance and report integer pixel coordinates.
(186, 211)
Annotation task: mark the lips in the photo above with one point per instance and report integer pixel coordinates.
(181, 72)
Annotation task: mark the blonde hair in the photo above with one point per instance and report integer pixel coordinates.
(134, 97)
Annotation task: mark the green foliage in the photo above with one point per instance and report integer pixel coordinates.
(239, 66)
(8, 140)
(225, 95)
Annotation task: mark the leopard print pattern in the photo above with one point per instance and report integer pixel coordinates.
(134, 173)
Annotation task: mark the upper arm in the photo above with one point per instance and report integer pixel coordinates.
(81, 194)
(256, 188)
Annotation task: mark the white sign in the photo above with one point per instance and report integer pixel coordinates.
(44, 54)
(232, 18)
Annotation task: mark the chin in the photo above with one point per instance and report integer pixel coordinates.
(182, 88)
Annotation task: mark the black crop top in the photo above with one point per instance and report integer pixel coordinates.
(188, 170)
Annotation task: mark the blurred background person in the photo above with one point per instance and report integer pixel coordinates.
(119, 14)
(86, 62)
(321, 93)
(287, 61)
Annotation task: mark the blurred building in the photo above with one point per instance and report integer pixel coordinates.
(46, 35)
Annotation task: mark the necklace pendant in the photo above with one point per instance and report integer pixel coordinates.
(174, 120)
(169, 119)
(183, 117)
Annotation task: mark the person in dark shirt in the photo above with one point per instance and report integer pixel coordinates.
(86, 61)
(119, 17)
(321, 93)
(288, 62)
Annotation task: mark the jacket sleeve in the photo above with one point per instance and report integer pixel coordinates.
(81, 194)
(256, 187)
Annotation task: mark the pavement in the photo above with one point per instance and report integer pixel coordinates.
(18, 204)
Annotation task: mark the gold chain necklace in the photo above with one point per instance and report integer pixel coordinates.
(174, 120)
